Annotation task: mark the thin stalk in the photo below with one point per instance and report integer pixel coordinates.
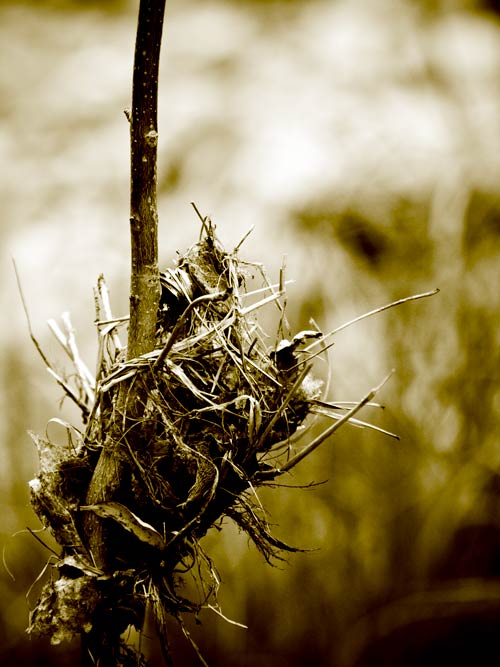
(101, 646)
(145, 281)
(375, 311)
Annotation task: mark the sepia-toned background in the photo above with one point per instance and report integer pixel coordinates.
(362, 140)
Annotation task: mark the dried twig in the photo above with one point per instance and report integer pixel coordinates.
(145, 280)
(294, 460)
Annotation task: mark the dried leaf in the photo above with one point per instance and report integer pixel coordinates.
(144, 532)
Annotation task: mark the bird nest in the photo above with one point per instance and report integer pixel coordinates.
(216, 405)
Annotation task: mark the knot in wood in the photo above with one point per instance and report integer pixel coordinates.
(151, 138)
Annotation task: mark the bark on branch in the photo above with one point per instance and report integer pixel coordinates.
(144, 286)
(144, 293)
(102, 644)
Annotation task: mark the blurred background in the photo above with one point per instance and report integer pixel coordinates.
(362, 139)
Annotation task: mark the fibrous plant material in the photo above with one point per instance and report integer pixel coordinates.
(214, 410)
(217, 405)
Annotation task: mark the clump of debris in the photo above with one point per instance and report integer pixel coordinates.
(215, 408)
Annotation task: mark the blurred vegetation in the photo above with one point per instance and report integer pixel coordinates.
(362, 140)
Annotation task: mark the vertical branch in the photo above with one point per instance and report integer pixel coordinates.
(101, 646)
(144, 284)
(145, 288)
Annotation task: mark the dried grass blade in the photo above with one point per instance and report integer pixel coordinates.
(106, 306)
(375, 311)
(283, 406)
(291, 463)
(88, 381)
(195, 646)
(267, 288)
(58, 335)
(71, 394)
(325, 412)
(244, 238)
(263, 302)
(228, 620)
